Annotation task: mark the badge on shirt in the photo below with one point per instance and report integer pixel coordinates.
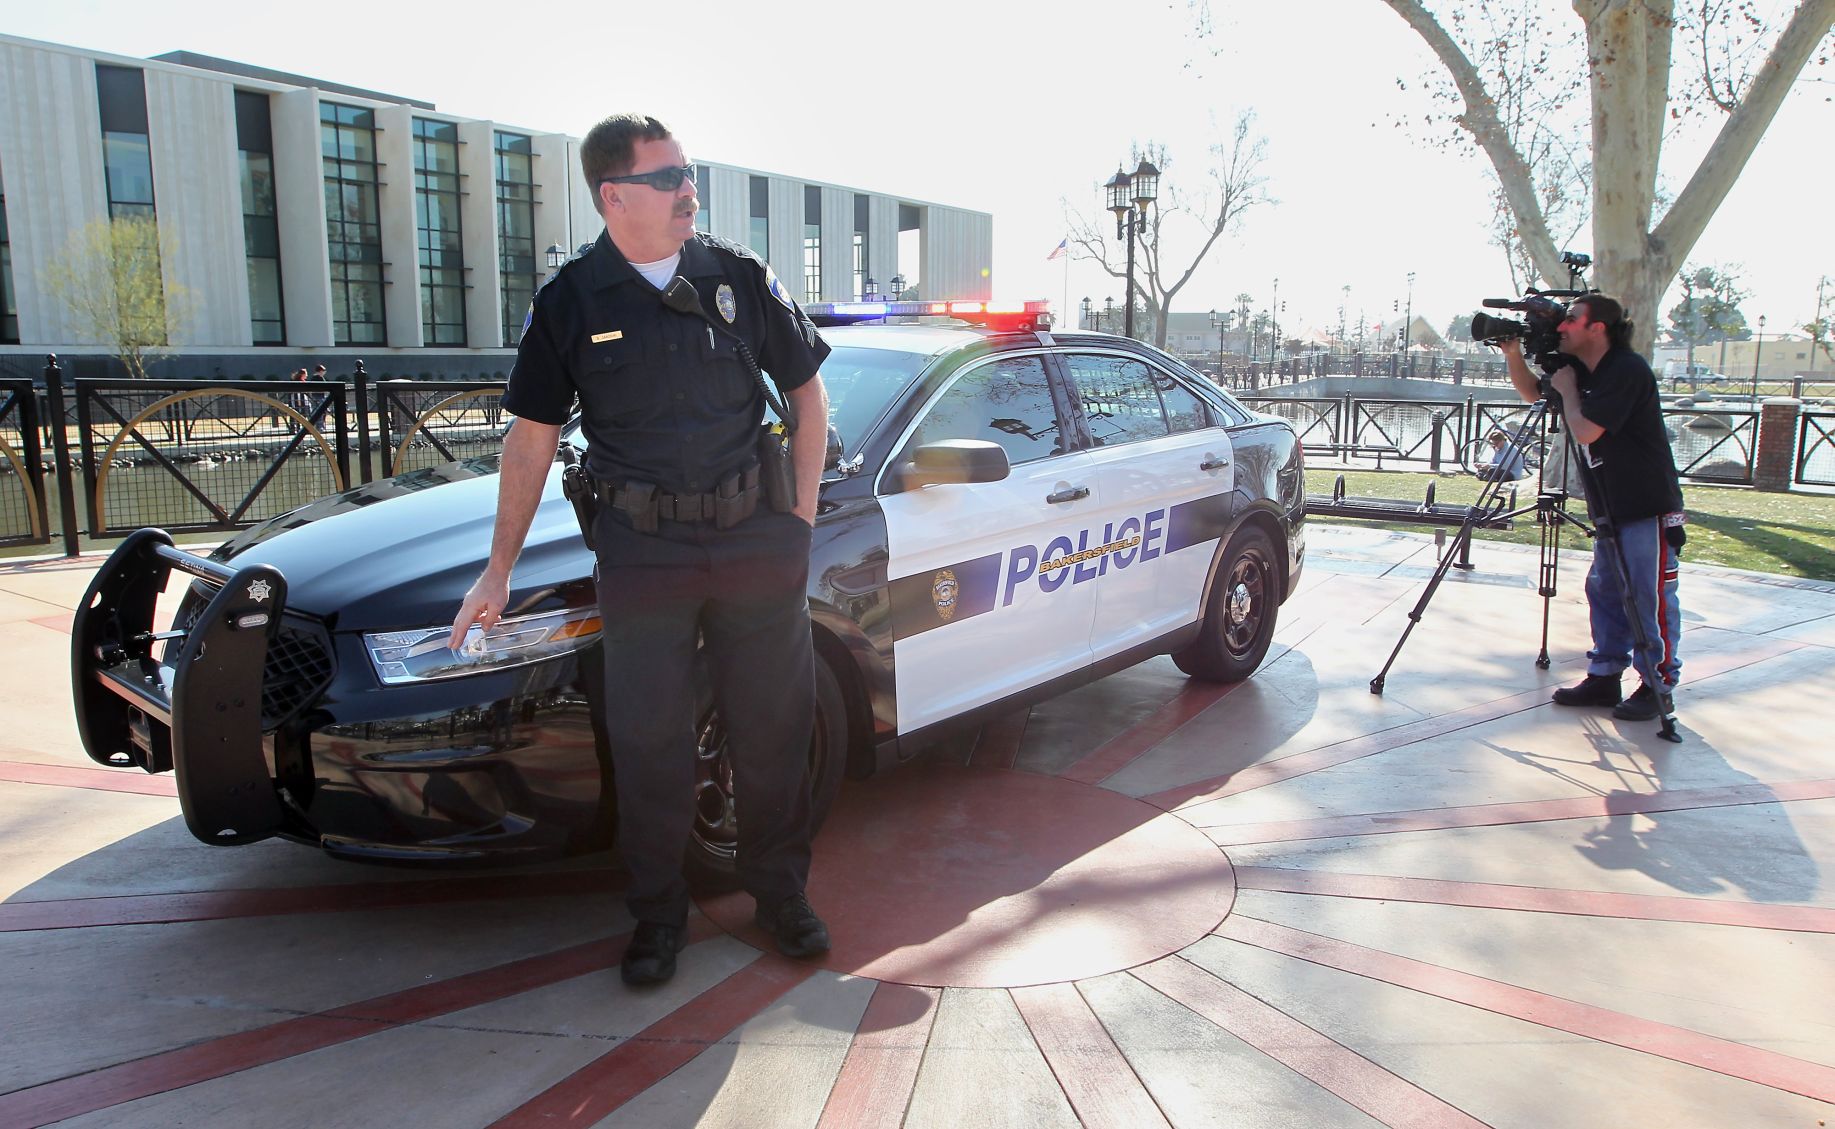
(777, 289)
(723, 301)
(602, 338)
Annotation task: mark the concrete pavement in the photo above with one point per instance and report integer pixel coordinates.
(1146, 902)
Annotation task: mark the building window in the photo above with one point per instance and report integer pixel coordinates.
(260, 219)
(9, 305)
(436, 215)
(127, 160)
(758, 234)
(862, 212)
(910, 248)
(812, 243)
(515, 231)
(347, 141)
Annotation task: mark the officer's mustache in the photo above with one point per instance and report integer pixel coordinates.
(688, 209)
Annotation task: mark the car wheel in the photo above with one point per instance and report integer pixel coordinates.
(1239, 612)
(714, 841)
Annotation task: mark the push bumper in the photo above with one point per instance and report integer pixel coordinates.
(198, 712)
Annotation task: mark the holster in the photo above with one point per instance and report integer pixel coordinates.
(775, 471)
(577, 488)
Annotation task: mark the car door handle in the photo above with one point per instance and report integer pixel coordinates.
(1213, 464)
(1068, 494)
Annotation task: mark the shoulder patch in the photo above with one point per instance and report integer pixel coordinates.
(776, 286)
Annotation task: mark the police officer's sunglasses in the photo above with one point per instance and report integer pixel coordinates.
(663, 180)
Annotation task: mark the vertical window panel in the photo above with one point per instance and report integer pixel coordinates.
(260, 219)
(516, 261)
(436, 210)
(347, 142)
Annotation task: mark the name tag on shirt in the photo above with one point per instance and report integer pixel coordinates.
(602, 338)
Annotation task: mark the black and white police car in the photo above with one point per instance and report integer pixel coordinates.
(1009, 513)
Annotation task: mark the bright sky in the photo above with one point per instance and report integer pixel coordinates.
(1013, 108)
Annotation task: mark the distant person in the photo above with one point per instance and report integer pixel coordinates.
(1506, 462)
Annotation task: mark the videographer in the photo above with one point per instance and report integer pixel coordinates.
(1607, 395)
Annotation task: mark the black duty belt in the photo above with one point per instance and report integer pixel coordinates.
(731, 502)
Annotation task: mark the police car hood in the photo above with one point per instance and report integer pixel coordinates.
(401, 553)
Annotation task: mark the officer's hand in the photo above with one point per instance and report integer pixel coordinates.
(483, 605)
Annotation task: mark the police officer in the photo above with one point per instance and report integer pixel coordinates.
(688, 549)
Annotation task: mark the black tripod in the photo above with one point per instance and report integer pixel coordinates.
(1550, 508)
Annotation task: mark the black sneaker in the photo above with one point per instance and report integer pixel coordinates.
(650, 957)
(1593, 690)
(1640, 706)
(794, 926)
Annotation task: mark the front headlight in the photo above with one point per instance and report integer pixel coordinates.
(422, 655)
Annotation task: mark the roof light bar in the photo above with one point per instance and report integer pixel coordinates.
(997, 315)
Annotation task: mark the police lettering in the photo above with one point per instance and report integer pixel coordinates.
(1134, 539)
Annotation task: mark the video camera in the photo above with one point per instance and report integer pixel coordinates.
(1542, 310)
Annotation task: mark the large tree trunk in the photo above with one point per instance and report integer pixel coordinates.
(1628, 60)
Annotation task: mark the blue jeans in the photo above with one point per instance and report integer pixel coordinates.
(1650, 564)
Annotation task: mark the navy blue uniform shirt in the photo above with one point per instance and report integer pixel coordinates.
(664, 399)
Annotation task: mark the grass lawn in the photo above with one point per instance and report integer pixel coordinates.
(1787, 534)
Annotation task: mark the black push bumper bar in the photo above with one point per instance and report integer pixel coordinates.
(198, 713)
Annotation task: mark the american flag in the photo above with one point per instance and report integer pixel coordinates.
(1058, 251)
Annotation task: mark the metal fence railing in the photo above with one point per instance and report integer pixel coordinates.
(1815, 463)
(1711, 445)
(23, 516)
(197, 456)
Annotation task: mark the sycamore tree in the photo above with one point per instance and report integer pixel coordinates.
(1647, 64)
(1184, 226)
(110, 280)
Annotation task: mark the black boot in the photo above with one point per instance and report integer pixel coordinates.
(1642, 705)
(1593, 690)
(794, 926)
(650, 957)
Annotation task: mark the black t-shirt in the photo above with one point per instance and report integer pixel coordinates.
(664, 398)
(1632, 461)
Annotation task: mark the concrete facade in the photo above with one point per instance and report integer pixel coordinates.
(52, 169)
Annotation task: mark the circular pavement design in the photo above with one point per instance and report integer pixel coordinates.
(983, 878)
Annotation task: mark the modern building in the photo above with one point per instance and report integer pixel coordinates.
(310, 221)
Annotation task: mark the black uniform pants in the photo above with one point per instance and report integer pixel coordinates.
(741, 593)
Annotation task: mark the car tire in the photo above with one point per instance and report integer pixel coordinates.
(1239, 612)
(711, 864)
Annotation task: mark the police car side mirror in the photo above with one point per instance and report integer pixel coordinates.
(954, 461)
(832, 458)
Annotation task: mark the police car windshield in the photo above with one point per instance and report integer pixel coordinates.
(861, 383)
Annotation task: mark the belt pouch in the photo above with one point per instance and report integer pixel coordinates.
(775, 473)
(577, 488)
(638, 500)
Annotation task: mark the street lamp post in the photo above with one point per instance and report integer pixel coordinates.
(1087, 309)
(1220, 323)
(898, 286)
(1408, 318)
(1274, 327)
(1756, 354)
(1128, 197)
